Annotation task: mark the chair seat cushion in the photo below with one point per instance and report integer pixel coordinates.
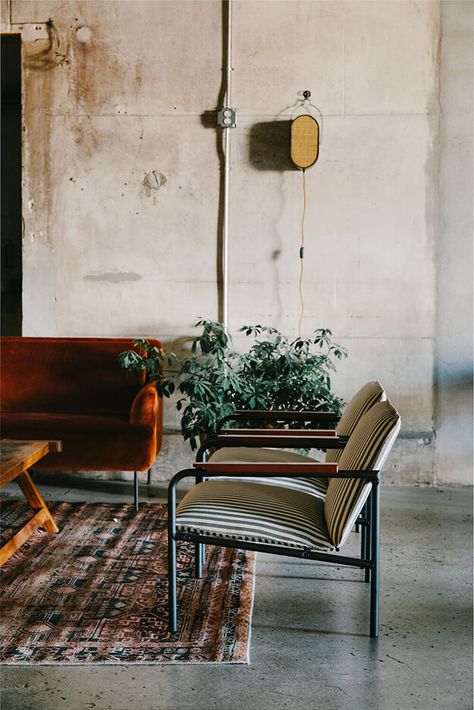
(254, 512)
(242, 454)
(102, 443)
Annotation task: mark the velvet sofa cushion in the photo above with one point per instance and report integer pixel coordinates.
(88, 441)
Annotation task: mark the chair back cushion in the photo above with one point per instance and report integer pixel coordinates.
(366, 450)
(361, 402)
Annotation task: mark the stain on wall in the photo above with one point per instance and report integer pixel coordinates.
(96, 69)
(113, 277)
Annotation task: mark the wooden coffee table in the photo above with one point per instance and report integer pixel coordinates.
(16, 458)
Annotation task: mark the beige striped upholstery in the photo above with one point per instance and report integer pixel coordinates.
(361, 402)
(254, 513)
(367, 449)
(267, 514)
(260, 455)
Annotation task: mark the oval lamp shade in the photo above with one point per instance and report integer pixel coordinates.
(304, 141)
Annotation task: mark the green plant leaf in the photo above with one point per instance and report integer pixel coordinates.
(214, 380)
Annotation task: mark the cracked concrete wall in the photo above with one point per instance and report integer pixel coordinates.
(121, 183)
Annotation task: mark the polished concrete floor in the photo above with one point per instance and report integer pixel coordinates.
(309, 645)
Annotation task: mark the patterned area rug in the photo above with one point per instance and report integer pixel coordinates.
(97, 592)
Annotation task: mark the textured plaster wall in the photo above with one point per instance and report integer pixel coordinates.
(454, 252)
(122, 177)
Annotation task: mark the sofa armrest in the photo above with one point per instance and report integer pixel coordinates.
(144, 408)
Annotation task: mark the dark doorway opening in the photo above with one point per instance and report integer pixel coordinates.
(11, 213)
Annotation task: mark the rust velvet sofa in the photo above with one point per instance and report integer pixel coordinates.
(74, 390)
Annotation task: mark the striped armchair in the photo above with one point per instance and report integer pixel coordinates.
(253, 445)
(232, 512)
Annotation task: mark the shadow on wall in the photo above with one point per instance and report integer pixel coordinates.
(459, 378)
(269, 146)
(456, 385)
(268, 143)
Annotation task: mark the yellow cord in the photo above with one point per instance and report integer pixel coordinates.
(300, 285)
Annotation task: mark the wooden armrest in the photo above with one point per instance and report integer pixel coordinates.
(253, 470)
(279, 432)
(279, 415)
(324, 470)
(300, 441)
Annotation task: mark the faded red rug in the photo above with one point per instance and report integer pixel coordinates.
(97, 592)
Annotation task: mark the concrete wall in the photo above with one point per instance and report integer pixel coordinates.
(454, 247)
(122, 178)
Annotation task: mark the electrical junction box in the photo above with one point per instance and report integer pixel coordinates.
(227, 117)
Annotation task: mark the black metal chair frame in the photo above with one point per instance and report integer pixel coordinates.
(280, 441)
(369, 559)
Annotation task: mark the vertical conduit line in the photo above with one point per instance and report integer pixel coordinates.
(227, 169)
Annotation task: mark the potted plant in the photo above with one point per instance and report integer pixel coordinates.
(215, 380)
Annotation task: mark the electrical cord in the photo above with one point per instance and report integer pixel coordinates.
(300, 284)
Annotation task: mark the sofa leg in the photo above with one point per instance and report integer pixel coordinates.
(148, 478)
(135, 489)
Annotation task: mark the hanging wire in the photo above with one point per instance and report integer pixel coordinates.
(300, 284)
(304, 106)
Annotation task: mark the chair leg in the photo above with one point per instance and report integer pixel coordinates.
(199, 559)
(375, 554)
(135, 489)
(148, 478)
(172, 596)
(368, 538)
(363, 540)
(363, 514)
(200, 552)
